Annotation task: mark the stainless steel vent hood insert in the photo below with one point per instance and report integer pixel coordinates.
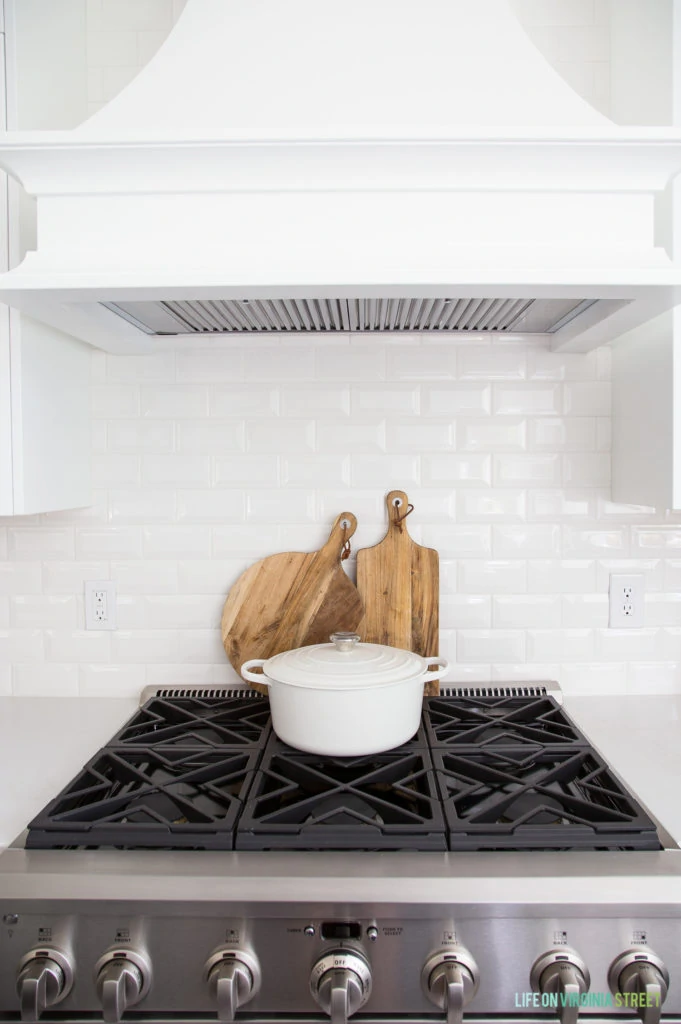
(391, 166)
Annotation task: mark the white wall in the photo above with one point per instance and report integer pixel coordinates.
(210, 454)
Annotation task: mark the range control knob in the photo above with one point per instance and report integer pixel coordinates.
(450, 979)
(341, 983)
(45, 978)
(233, 978)
(122, 979)
(640, 974)
(562, 973)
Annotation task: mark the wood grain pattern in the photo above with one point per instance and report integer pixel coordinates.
(291, 600)
(399, 584)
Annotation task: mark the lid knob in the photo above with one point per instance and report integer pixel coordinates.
(344, 641)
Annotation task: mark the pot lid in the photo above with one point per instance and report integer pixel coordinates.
(345, 664)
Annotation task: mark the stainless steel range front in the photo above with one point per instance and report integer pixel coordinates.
(198, 869)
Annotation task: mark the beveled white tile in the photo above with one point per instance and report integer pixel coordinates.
(457, 399)
(145, 646)
(251, 400)
(470, 470)
(487, 506)
(174, 401)
(385, 399)
(154, 366)
(522, 611)
(114, 401)
(177, 541)
(77, 645)
(491, 435)
(491, 646)
(563, 645)
(592, 678)
(210, 576)
(21, 577)
(458, 541)
(420, 435)
(586, 470)
(292, 362)
(341, 363)
(5, 680)
(549, 576)
(140, 435)
(465, 611)
(526, 541)
(142, 577)
(360, 436)
(654, 677)
(527, 399)
(240, 540)
(21, 645)
(246, 470)
(209, 366)
(585, 610)
(480, 362)
(416, 363)
(201, 506)
(38, 611)
(200, 646)
(111, 470)
(653, 569)
(603, 434)
(45, 680)
(100, 680)
(186, 674)
(656, 541)
(555, 366)
(32, 543)
(184, 611)
(553, 506)
(629, 644)
(316, 400)
(510, 675)
(112, 542)
(662, 610)
(586, 543)
(465, 675)
(527, 470)
(141, 506)
(561, 434)
(385, 472)
(587, 398)
(490, 576)
(176, 470)
(211, 436)
(276, 436)
(292, 505)
(610, 511)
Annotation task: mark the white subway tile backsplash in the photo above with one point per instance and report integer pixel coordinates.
(31, 543)
(458, 542)
(561, 434)
(238, 471)
(174, 401)
(585, 543)
(279, 436)
(522, 611)
(654, 677)
(315, 400)
(527, 399)
(548, 576)
(176, 470)
(482, 362)
(420, 435)
(652, 569)
(142, 577)
(456, 399)
(243, 400)
(21, 578)
(416, 363)
(475, 506)
(526, 541)
(358, 435)
(657, 541)
(157, 366)
(587, 398)
(35, 611)
(210, 576)
(4, 611)
(176, 541)
(629, 644)
(384, 399)
(283, 506)
(385, 472)
(111, 680)
(662, 609)
(545, 365)
(498, 645)
(466, 611)
(585, 610)
(593, 678)
(209, 366)
(526, 470)
(553, 506)
(286, 363)
(141, 506)
(180, 611)
(5, 680)
(586, 470)
(114, 401)
(112, 542)
(148, 646)
(201, 506)
(140, 435)
(563, 645)
(244, 540)
(456, 470)
(492, 576)
(211, 436)
(77, 645)
(491, 435)
(45, 680)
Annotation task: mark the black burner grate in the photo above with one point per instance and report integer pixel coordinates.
(483, 773)
(310, 802)
(197, 722)
(547, 799)
(150, 798)
(499, 721)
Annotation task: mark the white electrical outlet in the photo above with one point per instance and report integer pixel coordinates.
(626, 601)
(100, 604)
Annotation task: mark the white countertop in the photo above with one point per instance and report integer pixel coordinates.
(45, 741)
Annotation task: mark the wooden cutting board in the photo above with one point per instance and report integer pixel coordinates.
(291, 600)
(399, 584)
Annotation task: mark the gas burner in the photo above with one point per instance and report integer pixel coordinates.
(149, 798)
(197, 722)
(312, 802)
(539, 800)
(499, 721)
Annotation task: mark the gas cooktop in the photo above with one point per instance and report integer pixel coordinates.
(484, 773)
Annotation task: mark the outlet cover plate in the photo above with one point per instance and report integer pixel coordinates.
(100, 604)
(627, 592)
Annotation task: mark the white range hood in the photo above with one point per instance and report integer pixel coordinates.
(366, 165)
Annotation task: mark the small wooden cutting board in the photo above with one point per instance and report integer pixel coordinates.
(399, 584)
(291, 600)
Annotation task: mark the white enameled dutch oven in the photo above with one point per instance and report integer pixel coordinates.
(345, 698)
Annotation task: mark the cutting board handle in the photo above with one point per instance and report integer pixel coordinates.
(341, 532)
(398, 507)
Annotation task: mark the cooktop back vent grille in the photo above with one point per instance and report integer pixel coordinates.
(301, 315)
(199, 692)
(549, 689)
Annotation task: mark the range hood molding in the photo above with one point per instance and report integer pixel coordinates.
(463, 187)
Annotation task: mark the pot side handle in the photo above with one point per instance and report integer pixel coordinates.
(436, 673)
(254, 677)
